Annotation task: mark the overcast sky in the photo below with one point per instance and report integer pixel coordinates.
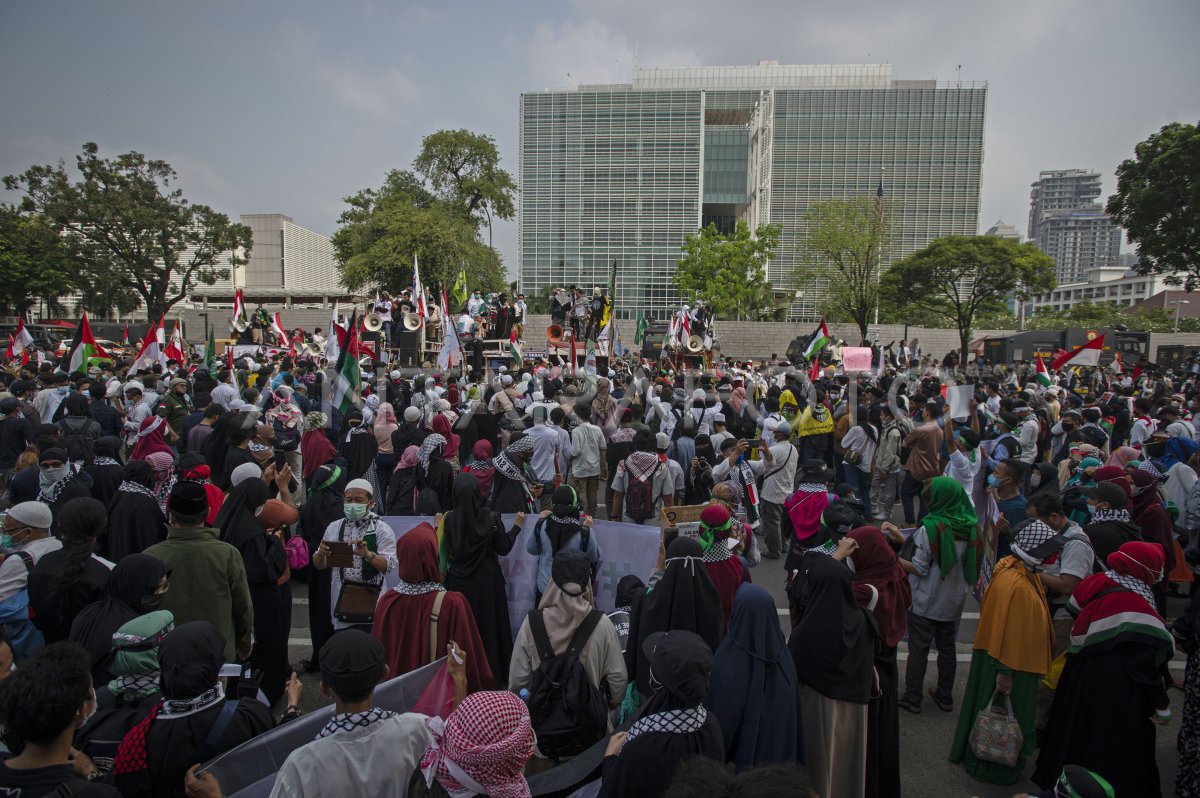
(290, 106)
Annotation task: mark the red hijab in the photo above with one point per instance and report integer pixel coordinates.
(1116, 475)
(482, 469)
(150, 439)
(1151, 517)
(877, 565)
(316, 450)
(441, 425)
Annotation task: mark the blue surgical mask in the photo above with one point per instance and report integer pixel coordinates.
(1091, 509)
(7, 543)
(355, 512)
(994, 481)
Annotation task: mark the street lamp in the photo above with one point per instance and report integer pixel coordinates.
(1177, 303)
(205, 317)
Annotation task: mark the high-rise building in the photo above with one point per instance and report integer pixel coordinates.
(622, 173)
(1067, 223)
(1003, 230)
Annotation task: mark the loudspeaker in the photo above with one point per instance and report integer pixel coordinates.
(408, 348)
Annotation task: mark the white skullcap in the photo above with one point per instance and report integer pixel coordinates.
(698, 395)
(360, 484)
(506, 379)
(395, 375)
(538, 396)
(412, 414)
(243, 473)
(34, 514)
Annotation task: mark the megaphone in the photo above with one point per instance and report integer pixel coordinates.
(412, 322)
(240, 324)
(373, 322)
(313, 350)
(695, 343)
(554, 334)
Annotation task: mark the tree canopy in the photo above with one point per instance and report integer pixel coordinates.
(728, 272)
(35, 263)
(434, 212)
(1158, 204)
(960, 277)
(132, 235)
(843, 252)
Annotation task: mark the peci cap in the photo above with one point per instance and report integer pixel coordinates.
(188, 499)
(352, 661)
(33, 514)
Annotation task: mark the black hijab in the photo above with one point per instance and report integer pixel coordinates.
(106, 476)
(469, 527)
(190, 660)
(135, 521)
(1047, 481)
(264, 558)
(358, 444)
(833, 644)
(685, 599)
(131, 581)
(323, 503)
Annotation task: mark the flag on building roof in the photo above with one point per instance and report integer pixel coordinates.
(818, 341)
(1043, 376)
(84, 349)
(280, 332)
(347, 378)
(150, 352)
(175, 349)
(1086, 355)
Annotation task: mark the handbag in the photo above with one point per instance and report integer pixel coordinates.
(853, 456)
(996, 735)
(357, 599)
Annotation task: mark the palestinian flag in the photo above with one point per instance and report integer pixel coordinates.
(1043, 376)
(125, 336)
(514, 347)
(347, 381)
(819, 340)
(1086, 355)
(84, 349)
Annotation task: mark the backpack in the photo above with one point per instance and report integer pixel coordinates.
(567, 711)
(24, 638)
(639, 495)
(1010, 443)
(78, 440)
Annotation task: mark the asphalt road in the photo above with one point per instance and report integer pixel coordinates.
(924, 739)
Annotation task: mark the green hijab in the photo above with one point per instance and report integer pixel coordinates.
(951, 518)
(135, 658)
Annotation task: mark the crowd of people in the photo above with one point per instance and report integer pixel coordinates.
(154, 525)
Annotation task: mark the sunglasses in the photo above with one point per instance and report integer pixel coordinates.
(49, 464)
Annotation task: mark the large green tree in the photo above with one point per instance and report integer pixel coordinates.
(843, 251)
(1158, 204)
(129, 230)
(961, 277)
(35, 264)
(729, 272)
(434, 212)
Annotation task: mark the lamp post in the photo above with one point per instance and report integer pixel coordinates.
(1177, 303)
(205, 317)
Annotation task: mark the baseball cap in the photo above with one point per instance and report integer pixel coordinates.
(1107, 492)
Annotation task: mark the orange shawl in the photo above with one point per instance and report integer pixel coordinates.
(1014, 621)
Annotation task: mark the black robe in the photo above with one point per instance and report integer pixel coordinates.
(477, 539)
(321, 509)
(440, 478)
(401, 492)
(507, 495)
(1100, 718)
(105, 480)
(54, 606)
(101, 736)
(135, 523)
(646, 766)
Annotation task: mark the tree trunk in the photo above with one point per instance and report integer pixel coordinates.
(862, 328)
(964, 336)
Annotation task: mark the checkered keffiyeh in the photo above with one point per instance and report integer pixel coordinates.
(349, 721)
(675, 721)
(481, 748)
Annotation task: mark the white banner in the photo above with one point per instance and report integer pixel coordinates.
(624, 549)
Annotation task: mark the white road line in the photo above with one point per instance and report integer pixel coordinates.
(966, 616)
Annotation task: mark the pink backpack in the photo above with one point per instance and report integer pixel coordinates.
(297, 552)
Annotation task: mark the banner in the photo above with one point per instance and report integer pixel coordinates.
(856, 358)
(991, 544)
(624, 549)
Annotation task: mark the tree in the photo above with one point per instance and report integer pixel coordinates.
(434, 212)
(843, 250)
(1092, 316)
(35, 264)
(961, 277)
(728, 272)
(1158, 203)
(126, 227)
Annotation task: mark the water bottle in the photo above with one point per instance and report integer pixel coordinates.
(524, 695)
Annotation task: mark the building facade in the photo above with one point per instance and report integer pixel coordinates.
(1068, 224)
(1112, 285)
(622, 173)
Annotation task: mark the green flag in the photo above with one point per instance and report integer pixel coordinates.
(210, 352)
(640, 333)
(460, 288)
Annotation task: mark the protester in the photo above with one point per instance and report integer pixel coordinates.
(373, 547)
(135, 521)
(66, 580)
(485, 743)
(323, 507)
(435, 477)
(26, 533)
(105, 470)
(135, 586)
(726, 570)
(560, 527)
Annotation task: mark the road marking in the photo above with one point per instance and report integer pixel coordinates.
(966, 616)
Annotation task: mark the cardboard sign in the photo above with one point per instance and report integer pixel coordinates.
(681, 520)
(959, 397)
(856, 358)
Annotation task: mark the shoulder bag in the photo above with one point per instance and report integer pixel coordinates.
(357, 599)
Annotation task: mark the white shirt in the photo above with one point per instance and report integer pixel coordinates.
(587, 446)
(14, 576)
(781, 472)
(1027, 435)
(521, 309)
(857, 439)
(385, 546)
(1181, 429)
(224, 395)
(546, 446)
(473, 306)
(1141, 431)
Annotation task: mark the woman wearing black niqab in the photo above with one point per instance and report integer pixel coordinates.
(106, 470)
(322, 507)
(266, 563)
(475, 538)
(135, 521)
(684, 599)
(156, 754)
(674, 724)
(132, 591)
(833, 646)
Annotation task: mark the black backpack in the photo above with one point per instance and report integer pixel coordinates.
(639, 494)
(566, 709)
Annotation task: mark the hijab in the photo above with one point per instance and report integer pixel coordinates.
(417, 556)
(833, 644)
(359, 447)
(1122, 456)
(683, 599)
(875, 564)
(135, 654)
(385, 416)
(130, 583)
(565, 519)
(1145, 493)
(163, 464)
(191, 658)
(565, 606)
(480, 467)
(409, 458)
(509, 461)
(1047, 476)
(236, 521)
(441, 428)
(323, 503)
(468, 527)
(603, 406)
(315, 446)
(150, 438)
(952, 518)
(431, 449)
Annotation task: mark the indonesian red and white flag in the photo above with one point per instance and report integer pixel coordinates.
(21, 339)
(174, 350)
(1086, 355)
(239, 306)
(150, 352)
(277, 326)
(418, 292)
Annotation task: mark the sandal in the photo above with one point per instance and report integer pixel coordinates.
(944, 706)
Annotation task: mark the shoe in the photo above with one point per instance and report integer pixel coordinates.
(944, 706)
(771, 556)
(910, 705)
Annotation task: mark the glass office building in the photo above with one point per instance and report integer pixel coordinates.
(621, 173)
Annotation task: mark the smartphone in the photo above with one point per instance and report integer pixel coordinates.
(280, 460)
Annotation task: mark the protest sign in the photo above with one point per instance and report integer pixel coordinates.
(856, 358)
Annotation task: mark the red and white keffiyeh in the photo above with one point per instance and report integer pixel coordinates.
(482, 748)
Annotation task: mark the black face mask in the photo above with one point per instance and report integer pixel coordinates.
(152, 602)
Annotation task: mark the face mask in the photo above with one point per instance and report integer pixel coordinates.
(1091, 509)
(61, 391)
(994, 481)
(1035, 480)
(49, 476)
(7, 543)
(355, 512)
(152, 602)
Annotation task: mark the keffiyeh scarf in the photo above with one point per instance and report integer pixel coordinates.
(182, 707)
(135, 487)
(1110, 514)
(1132, 583)
(418, 588)
(140, 684)
(51, 496)
(675, 721)
(506, 465)
(101, 460)
(349, 721)
(482, 748)
(431, 442)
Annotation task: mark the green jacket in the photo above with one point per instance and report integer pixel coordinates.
(208, 583)
(175, 409)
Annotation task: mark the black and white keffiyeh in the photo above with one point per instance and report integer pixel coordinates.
(674, 721)
(811, 487)
(134, 487)
(51, 496)
(431, 442)
(349, 721)
(505, 464)
(1110, 514)
(140, 683)
(718, 551)
(418, 588)
(182, 707)
(101, 460)
(1132, 584)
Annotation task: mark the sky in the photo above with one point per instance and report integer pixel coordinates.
(288, 107)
